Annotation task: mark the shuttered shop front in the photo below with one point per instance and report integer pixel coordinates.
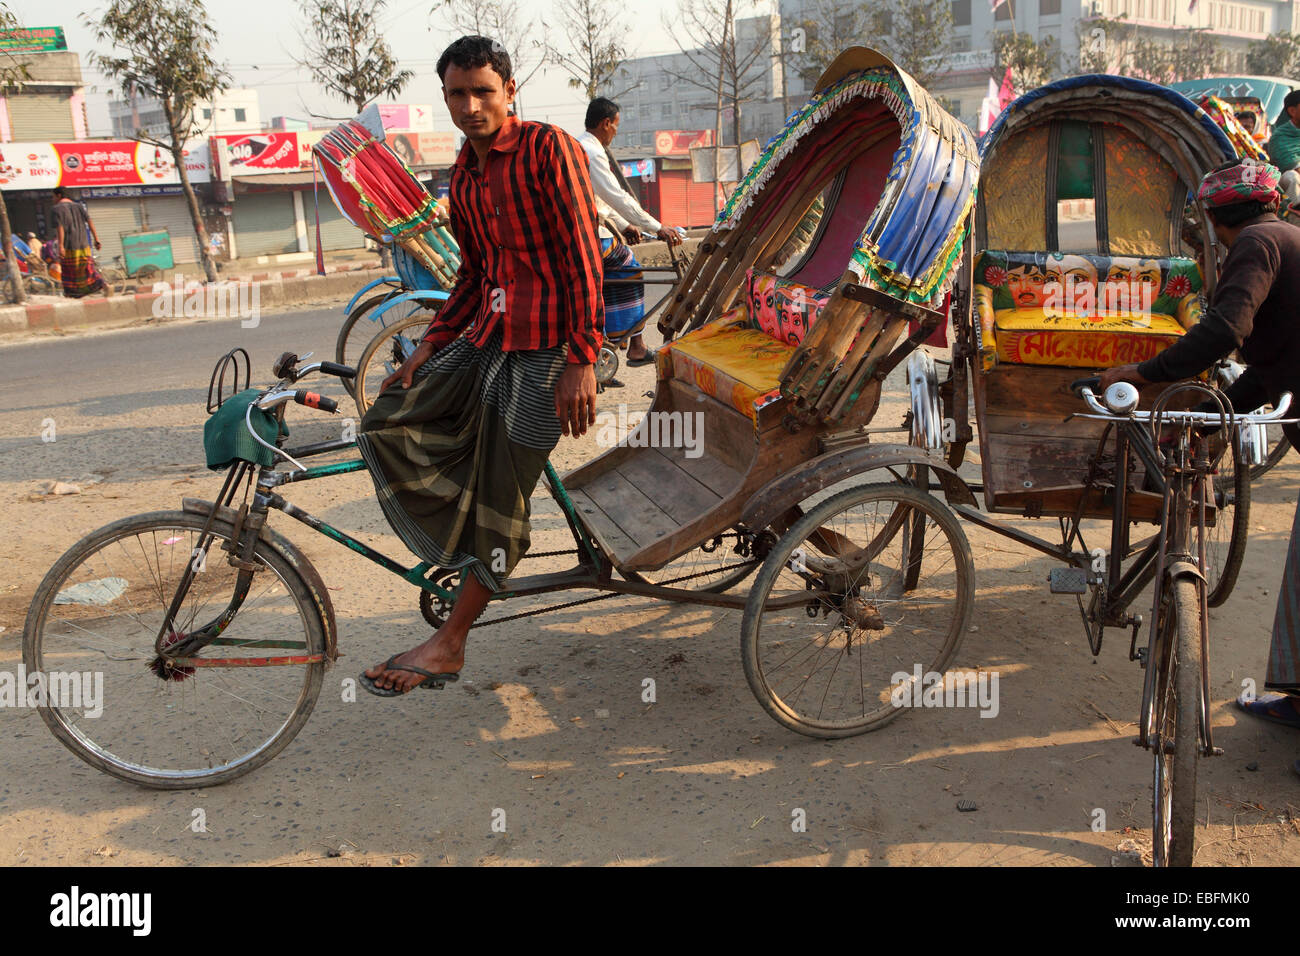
(113, 218)
(173, 214)
(264, 224)
(36, 117)
(682, 201)
(335, 231)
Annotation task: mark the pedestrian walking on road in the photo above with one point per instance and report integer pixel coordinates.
(73, 233)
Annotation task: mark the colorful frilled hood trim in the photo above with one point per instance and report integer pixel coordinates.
(911, 242)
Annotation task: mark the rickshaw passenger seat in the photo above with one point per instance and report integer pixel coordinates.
(738, 357)
(1081, 311)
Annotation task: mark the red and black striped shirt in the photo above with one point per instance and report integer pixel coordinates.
(530, 254)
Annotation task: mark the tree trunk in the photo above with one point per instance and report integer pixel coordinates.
(7, 241)
(200, 230)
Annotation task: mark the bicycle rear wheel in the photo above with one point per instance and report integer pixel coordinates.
(867, 588)
(96, 616)
(1176, 741)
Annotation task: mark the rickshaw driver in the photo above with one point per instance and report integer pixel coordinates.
(455, 454)
(1253, 311)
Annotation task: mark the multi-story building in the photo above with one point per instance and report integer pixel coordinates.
(50, 104)
(1234, 24)
(234, 111)
(653, 95)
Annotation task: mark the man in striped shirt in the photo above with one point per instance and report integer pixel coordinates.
(506, 366)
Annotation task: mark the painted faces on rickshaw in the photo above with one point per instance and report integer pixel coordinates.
(1131, 285)
(1025, 284)
(1071, 284)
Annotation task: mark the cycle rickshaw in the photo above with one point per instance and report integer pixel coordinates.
(1046, 300)
(214, 631)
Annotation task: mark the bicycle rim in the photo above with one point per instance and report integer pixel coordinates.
(97, 615)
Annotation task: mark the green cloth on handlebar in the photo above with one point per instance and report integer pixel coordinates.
(226, 438)
(1284, 146)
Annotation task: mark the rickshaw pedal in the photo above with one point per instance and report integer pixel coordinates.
(1067, 581)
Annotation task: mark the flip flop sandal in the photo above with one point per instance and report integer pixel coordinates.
(648, 359)
(1267, 708)
(431, 681)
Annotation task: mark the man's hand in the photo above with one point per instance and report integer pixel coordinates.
(632, 235)
(1121, 373)
(670, 236)
(423, 352)
(98, 245)
(575, 399)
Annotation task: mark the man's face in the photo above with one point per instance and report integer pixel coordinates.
(477, 100)
(1248, 121)
(1025, 283)
(607, 130)
(1294, 113)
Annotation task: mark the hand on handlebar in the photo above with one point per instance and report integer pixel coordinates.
(423, 352)
(1120, 373)
(670, 235)
(632, 235)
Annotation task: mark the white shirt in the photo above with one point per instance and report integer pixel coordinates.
(612, 200)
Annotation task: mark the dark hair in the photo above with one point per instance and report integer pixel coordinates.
(1237, 213)
(599, 110)
(469, 53)
(1292, 99)
(58, 191)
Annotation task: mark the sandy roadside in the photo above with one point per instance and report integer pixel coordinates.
(548, 730)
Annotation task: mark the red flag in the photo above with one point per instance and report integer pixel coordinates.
(1008, 92)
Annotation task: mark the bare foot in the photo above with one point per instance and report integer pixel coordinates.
(438, 655)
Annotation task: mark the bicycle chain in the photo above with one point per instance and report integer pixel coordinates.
(598, 597)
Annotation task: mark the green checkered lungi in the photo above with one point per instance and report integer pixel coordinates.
(456, 456)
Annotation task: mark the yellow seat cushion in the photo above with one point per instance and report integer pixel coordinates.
(738, 366)
(1101, 340)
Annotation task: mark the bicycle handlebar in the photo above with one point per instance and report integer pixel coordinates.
(1083, 388)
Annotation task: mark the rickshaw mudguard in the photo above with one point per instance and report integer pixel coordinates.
(436, 294)
(1186, 569)
(778, 495)
(297, 560)
(385, 280)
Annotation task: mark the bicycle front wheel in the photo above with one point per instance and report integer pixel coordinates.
(359, 328)
(1176, 741)
(92, 627)
(384, 355)
(1225, 542)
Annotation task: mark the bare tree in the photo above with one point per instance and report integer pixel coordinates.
(12, 75)
(917, 35)
(827, 28)
(1032, 62)
(735, 71)
(597, 36)
(1194, 53)
(1105, 45)
(167, 54)
(345, 50)
(502, 20)
(1276, 55)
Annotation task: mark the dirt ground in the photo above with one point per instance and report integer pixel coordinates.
(548, 728)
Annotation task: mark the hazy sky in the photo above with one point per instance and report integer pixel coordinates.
(259, 38)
